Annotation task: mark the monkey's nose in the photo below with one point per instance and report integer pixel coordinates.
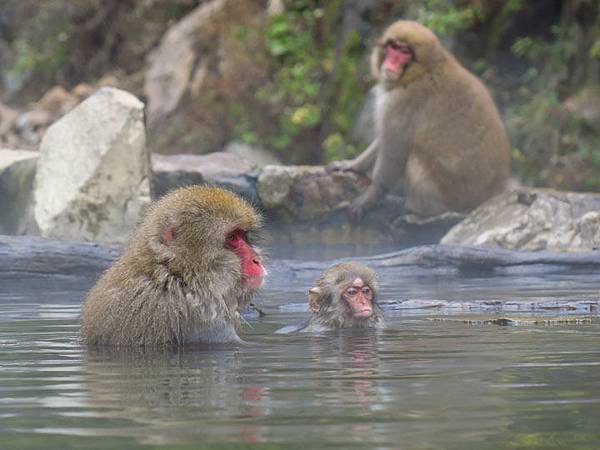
(256, 266)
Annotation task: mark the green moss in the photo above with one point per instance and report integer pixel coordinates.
(41, 45)
(447, 18)
(554, 147)
(314, 91)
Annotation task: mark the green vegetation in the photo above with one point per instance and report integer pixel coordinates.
(294, 82)
(446, 18)
(41, 47)
(554, 146)
(315, 92)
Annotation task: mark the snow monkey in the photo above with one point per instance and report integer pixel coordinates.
(439, 136)
(344, 296)
(189, 270)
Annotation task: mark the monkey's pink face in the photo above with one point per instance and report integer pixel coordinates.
(397, 56)
(252, 268)
(359, 296)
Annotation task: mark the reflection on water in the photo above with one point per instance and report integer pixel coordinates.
(417, 384)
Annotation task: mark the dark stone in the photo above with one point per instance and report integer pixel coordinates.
(217, 169)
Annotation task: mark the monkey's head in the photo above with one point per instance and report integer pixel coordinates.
(204, 235)
(346, 295)
(406, 52)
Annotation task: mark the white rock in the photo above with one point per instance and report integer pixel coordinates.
(93, 174)
(533, 219)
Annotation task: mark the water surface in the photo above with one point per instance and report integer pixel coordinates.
(419, 384)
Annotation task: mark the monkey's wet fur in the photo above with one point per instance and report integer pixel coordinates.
(188, 272)
(344, 296)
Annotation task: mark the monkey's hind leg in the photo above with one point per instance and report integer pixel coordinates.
(422, 196)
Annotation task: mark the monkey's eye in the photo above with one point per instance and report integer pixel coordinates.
(399, 46)
(352, 291)
(366, 290)
(234, 238)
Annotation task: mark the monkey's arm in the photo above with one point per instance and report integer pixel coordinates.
(363, 163)
(387, 172)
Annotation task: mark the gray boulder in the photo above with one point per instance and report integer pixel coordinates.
(257, 155)
(308, 205)
(171, 66)
(533, 219)
(93, 174)
(221, 169)
(307, 192)
(17, 170)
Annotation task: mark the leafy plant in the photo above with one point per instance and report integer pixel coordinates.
(314, 92)
(447, 18)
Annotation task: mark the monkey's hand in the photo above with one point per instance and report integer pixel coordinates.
(364, 202)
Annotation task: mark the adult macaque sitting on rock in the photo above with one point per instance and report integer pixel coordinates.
(439, 137)
(344, 296)
(187, 274)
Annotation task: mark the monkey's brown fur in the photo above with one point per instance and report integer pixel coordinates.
(439, 134)
(188, 290)
(330, 310)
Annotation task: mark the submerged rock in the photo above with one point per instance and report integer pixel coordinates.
(517, 321)
(93, 174)
(533, 219)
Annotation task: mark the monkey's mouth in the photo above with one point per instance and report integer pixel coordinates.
(361, 310)
(393, 75)
(364, 313)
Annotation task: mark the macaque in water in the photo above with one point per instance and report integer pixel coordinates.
(189, 271)
(344, 296)
(439, 137)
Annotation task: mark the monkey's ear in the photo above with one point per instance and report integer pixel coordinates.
(314, 297)
(168, 234)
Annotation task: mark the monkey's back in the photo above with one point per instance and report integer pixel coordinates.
(127, 308)
(458, 149)
(133, 305)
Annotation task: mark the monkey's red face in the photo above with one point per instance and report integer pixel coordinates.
(359, 296)
(252, 268)
(397, 56)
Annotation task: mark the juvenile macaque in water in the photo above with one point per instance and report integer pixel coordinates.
(186, 275)
(439, 136)
(344, 296)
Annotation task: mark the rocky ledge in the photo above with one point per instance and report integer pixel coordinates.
(533, 219)
(49, 257)
(93, 177)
